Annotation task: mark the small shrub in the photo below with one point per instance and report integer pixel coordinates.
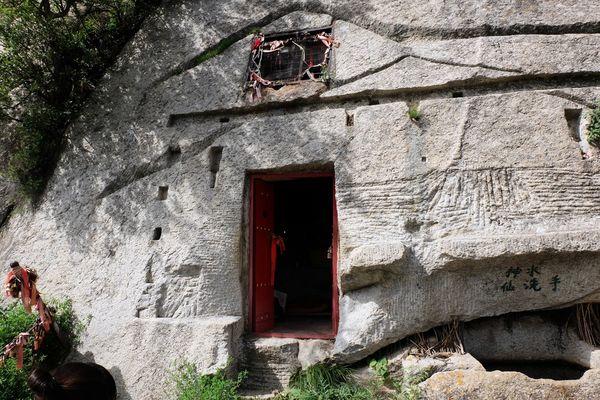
(593, 134)
(380, 367)
(188, 384)
(413, 112)
(14, 320)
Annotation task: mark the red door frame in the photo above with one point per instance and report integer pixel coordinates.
(274, 177)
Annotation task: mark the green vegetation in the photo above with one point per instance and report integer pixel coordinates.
(318, 382)
(13, 382)
(52, 53)
(593, 135)
(188, 384)
(325, 382)
(413, 112)
(403, 388)
(14, 320)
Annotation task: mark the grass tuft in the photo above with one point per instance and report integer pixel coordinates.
(188, 384)
(325, 382)
(413, 112)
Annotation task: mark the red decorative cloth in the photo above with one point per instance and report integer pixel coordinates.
(20, 283)
(276, 244)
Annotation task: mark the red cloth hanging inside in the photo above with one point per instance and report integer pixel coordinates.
(276, 244)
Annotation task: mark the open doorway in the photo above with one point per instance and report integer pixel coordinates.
(293, 228)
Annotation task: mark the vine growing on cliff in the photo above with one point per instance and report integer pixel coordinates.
(52, 52)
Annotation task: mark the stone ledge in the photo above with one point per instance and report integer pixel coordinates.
(455, 253)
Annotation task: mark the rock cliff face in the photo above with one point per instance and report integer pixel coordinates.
(436, 215)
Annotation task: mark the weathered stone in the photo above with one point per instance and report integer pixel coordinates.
(368, 265)
(298, 20)
(507, 386)
(419, 366)
(361, 52)
(270, 363)
(312, 352)
(411, 73)
(206, 343)
(510, 339)
(462, 362)
(526, 54)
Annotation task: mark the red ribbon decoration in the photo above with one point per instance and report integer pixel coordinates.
(19, 280)
(276, 243)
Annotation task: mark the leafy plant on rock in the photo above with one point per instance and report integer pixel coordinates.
(593, 134)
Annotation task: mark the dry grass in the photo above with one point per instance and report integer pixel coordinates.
(588, 322)
(443, 339)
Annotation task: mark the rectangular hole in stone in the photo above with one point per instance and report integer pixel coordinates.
(157, 233)
(163, 192)
(373, 102)
(349, 119)
(214, 157)
(573, 117)
(224, 119)
(423, 159)
(457, 94)
(576, 126)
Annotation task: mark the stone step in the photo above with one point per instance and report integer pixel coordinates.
(271, 362)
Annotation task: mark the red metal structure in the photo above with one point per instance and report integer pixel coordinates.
(261, 287)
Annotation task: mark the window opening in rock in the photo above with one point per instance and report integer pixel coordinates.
(293, 257)
(224, 119)
(457, 94)
(215, 155)
(349, 119)
(163, 192)
(556, 369)
(157, 233)
(288, 58)
(573, 117)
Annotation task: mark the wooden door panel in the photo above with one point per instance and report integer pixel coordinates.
(264, 222)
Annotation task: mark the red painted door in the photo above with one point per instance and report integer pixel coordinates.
(264, 222)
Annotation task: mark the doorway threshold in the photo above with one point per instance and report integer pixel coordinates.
(301, 328)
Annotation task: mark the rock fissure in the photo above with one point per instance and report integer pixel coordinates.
(458, 64)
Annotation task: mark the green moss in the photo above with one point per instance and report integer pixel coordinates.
(223, 45)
